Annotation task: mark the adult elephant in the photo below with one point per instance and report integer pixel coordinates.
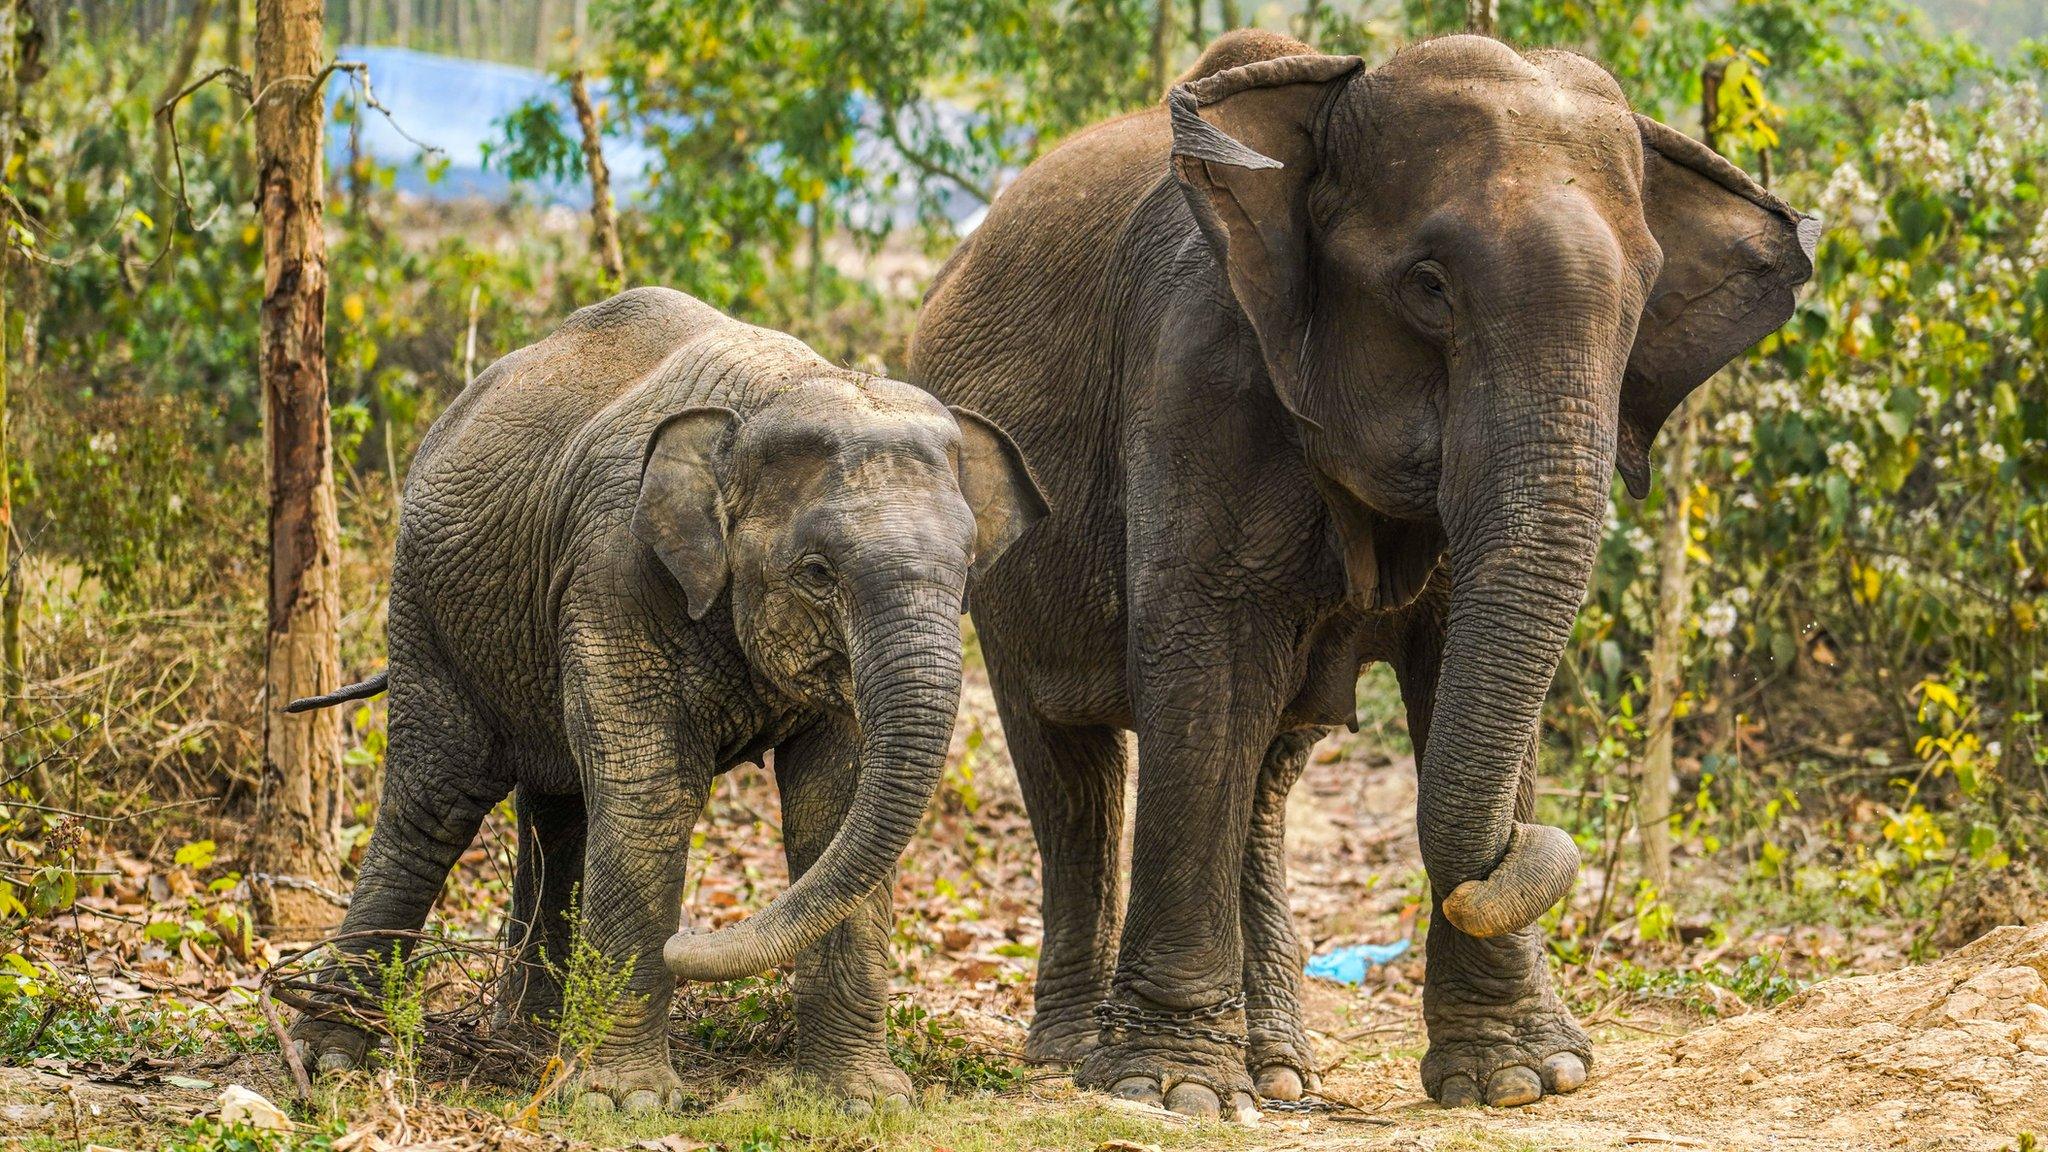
(1323, 365)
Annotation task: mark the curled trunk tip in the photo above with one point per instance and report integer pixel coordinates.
(1541, 865)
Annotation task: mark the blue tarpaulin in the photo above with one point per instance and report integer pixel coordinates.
(1349, 964)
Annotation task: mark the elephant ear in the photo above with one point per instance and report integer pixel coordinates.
(1734, 258)
(1245, 148)
(681, 512)
(997, 485)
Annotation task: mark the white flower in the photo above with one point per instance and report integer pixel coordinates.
(1850, 202)
(103, 442)
(177, 503)
(2037, 249)
(1779, 393)
(1916, 151)
(1989, 169)
(1746, 499)
(2016, 113)
(1992, 451)
(1739, 596)
(1845, 397)
(1946, 293)
(1640, 540)
(1718, 620)
(1845, 455)
(1738, 426)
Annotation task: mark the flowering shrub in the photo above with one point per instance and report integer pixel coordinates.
(1870, 503)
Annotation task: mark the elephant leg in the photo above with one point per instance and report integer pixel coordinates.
(546, 878)
(1172, 1030)
(1277, 1053)
(1073, 785)
(441, 779)
(1499, 1033)
(842, 983)
(642, 795)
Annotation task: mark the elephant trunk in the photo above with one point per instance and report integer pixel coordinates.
(903, 644)
(1523, 499)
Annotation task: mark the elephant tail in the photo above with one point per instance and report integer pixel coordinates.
(344, 694)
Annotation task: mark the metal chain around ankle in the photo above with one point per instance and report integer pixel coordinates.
(1120, 1020)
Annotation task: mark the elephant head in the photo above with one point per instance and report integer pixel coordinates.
(1480, 283)
(843, 519)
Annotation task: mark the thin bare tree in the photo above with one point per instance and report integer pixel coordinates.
(604, 224)
(12, 662)
(1481, 16)
(1674, 594)
(167, 199)
(299, 831)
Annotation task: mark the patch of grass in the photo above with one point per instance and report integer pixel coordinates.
(779, 1116)
(208, 1135)
(1758, 980)
(933, 1051)
(754, 1014)
(38, 1026)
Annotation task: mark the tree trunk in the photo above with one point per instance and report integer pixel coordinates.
(1667, 676)
(1162, 41)
(1674, 597)
(169, 202)
(300, 795)
(604, 226)
(1227, 10)
(12, 670)
(1481, 16)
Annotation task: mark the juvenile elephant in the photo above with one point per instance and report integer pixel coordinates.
(644, 550)
(1324, 365)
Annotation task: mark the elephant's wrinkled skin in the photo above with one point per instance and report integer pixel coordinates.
(1323, 366)
(636, 554)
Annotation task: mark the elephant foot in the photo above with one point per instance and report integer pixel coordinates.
(1191, 1063)
(1504, 1056)
(862, 1086)
(636, 1084)
(1281, 1063)
(330, 1046)
(1063, 1038)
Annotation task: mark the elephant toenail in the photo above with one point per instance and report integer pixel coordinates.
(1245, 1108)
(334, 1062)
(1143, 1089)
(641, 1101)
(1513, 1087)
(1280, 1082)
(1563, 1072)
(1458, 1092)
(1191, 1099)
(595, 1102)
(858, 1107)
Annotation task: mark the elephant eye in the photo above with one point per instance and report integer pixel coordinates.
(813, 575)
(1425, 295)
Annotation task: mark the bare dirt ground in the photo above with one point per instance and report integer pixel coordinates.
(1948, 1055)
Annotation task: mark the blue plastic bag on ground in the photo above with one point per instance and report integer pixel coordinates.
(1349, 964)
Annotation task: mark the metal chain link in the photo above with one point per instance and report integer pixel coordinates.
(1120, 1019)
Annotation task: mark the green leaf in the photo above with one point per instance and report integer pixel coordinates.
(195, 855)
